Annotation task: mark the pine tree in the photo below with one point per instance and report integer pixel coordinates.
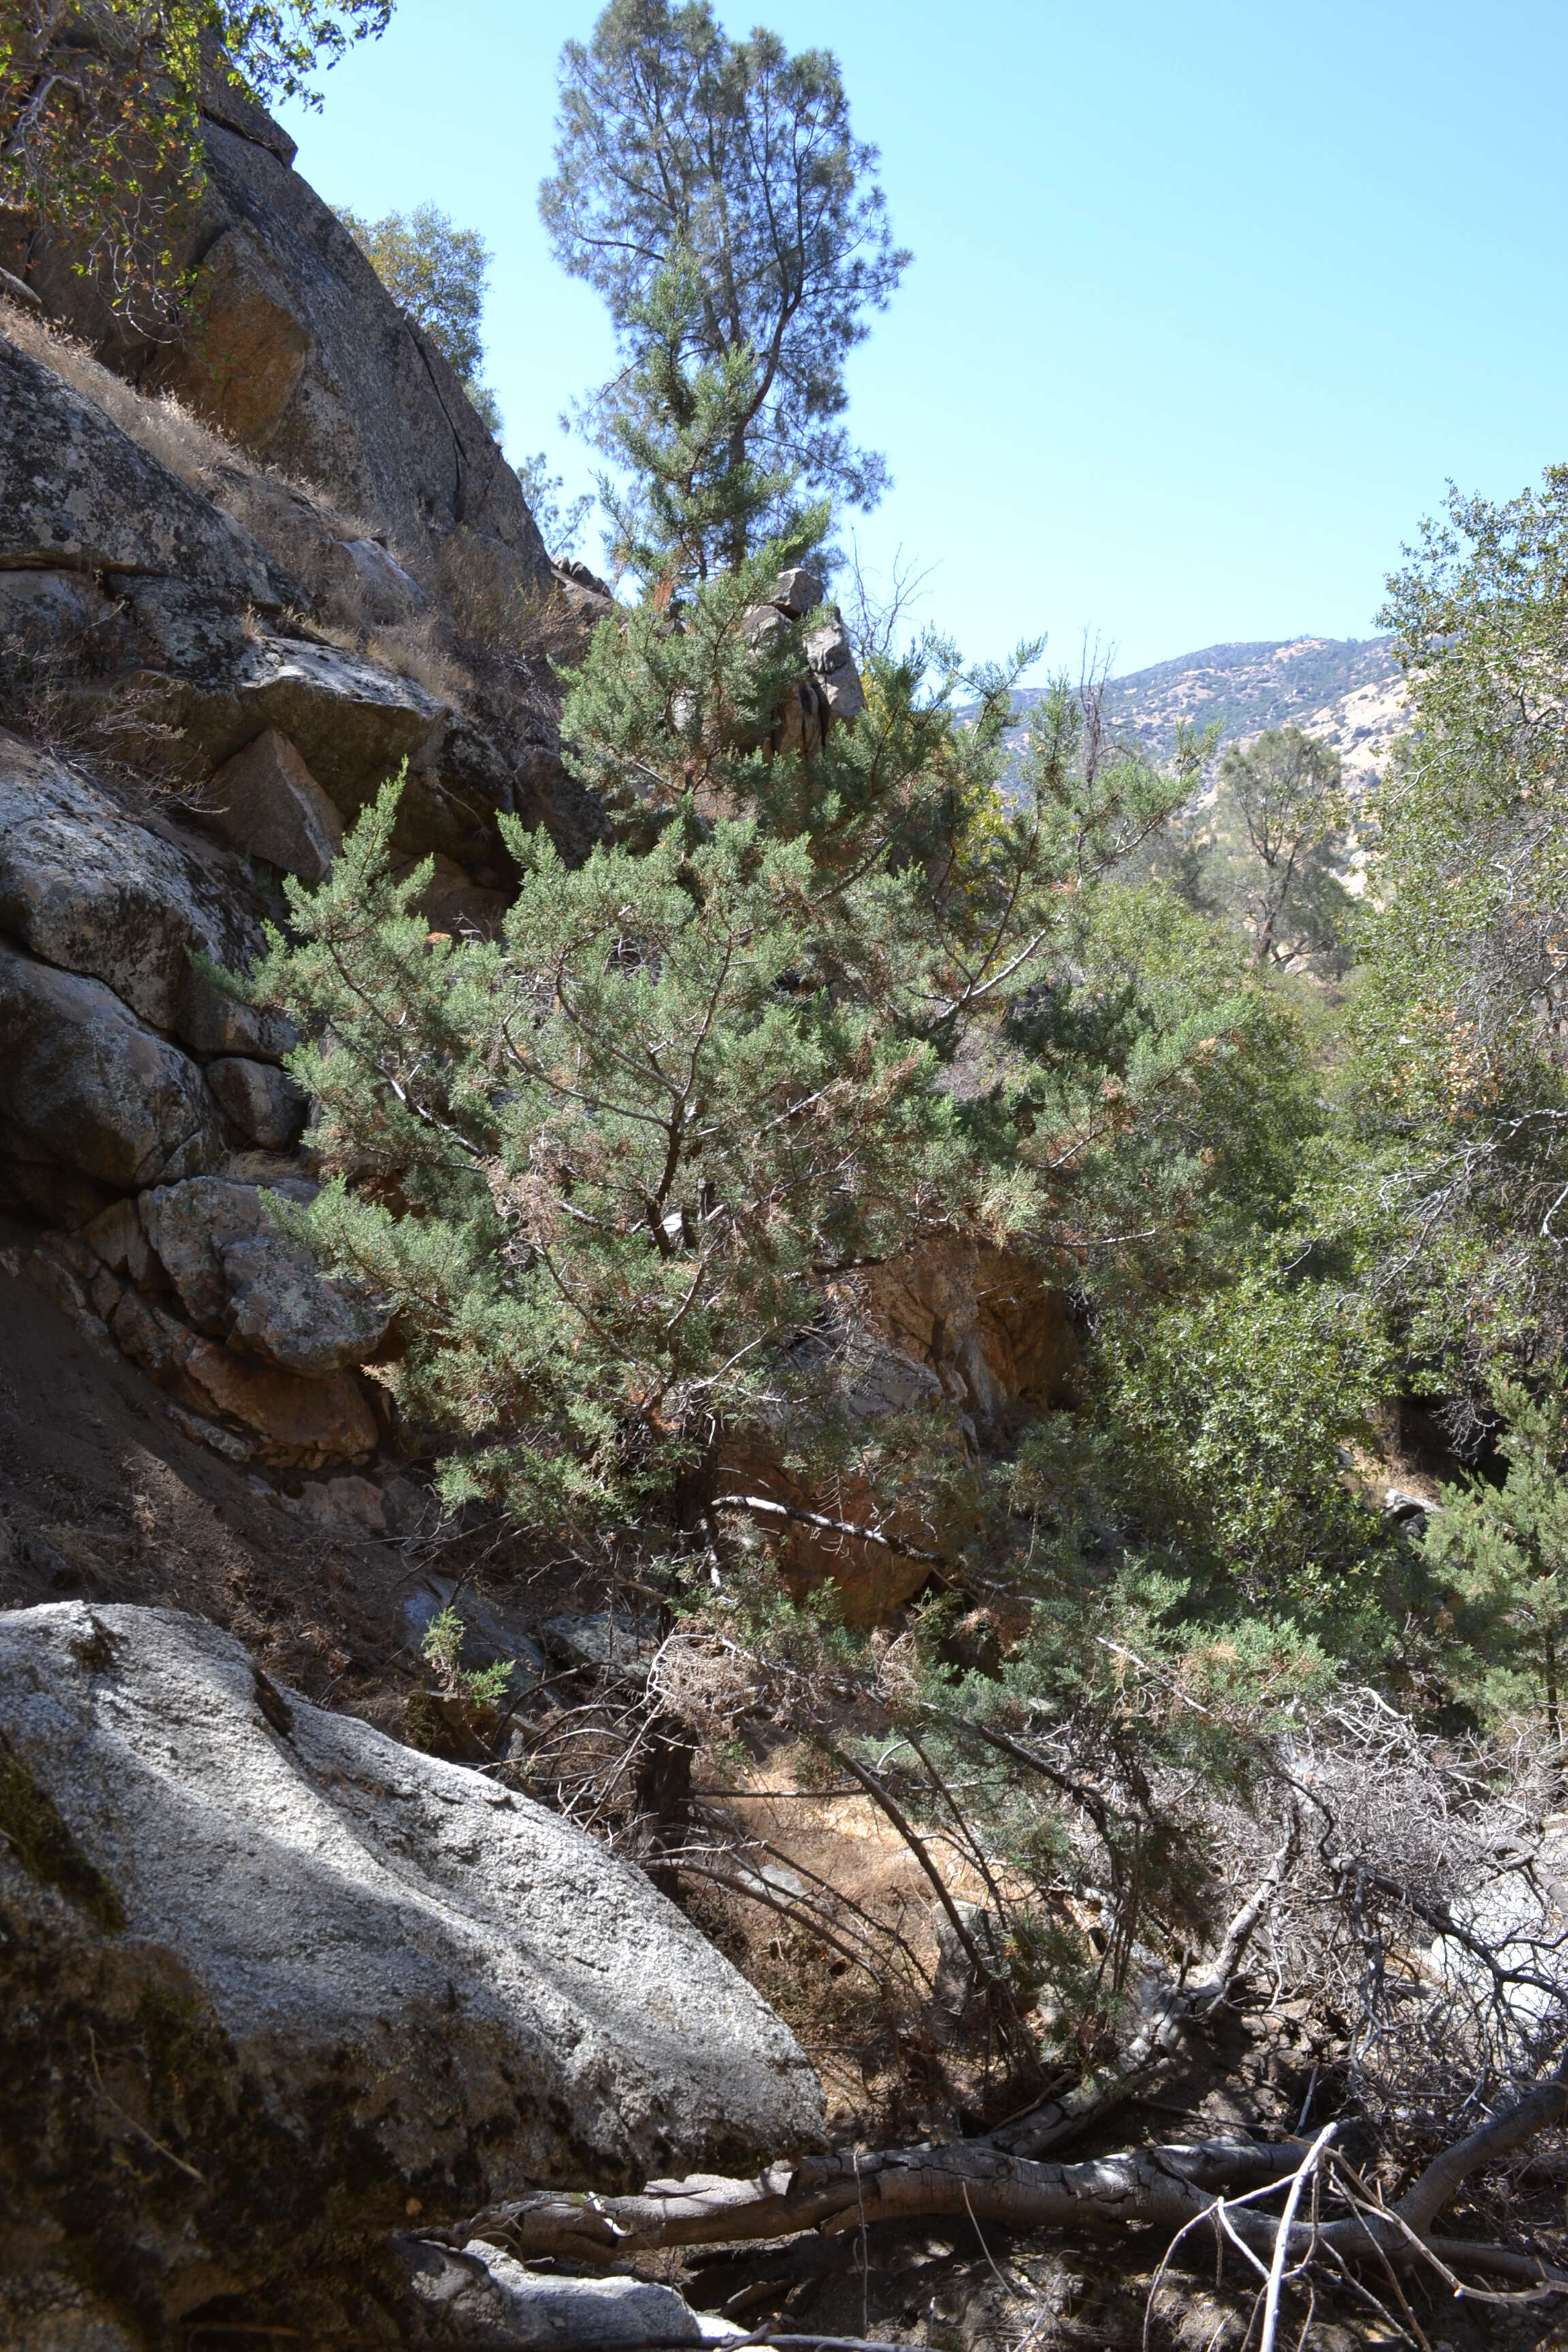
(603, 1166)
(628, 1142)
(606, 1167)
(697, 495)
(677, 145)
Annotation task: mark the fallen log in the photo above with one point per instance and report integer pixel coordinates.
(1172, 2188)
(1156, 2048)
(1170, 2185)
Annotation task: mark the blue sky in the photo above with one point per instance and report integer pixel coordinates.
(1208, 300)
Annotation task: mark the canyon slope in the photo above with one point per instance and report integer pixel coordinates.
(1347, 690)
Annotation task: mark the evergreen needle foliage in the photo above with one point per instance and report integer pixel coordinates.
(679, 149)
(680, 426)
(628, 1141)
(1460, 1095)
(605, 1166)
(1504, 1551)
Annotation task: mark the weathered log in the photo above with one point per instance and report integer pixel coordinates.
(1173, 2188)
(1156, 2049)
(1167, 2186)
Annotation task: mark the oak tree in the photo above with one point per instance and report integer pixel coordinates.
(99, 115)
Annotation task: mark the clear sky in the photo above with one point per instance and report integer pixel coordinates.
(1208, 300)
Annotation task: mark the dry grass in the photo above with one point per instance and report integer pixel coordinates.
(161, 424)
(280, 510)
(414, 650)
(55, 689)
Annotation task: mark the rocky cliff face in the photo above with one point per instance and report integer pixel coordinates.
(217, 640)
(294, 348)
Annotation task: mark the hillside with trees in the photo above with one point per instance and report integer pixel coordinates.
(1346, 692)
(785, 1455)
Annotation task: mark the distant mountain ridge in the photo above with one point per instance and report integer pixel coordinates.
(1346, 690)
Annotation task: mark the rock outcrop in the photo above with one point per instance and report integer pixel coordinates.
(129, 1082)
(80, 496)
(88, 1092)
(148, 594)
(86, 888)
(831, 690)
(296, 350)
(273, 1983)
(142, 616)
(923, 1358)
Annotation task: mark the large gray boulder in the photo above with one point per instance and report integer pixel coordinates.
(266, 1106)
(273, 1983)
(266, 801)
(350, 722)
(87, 887)
(85, 1086)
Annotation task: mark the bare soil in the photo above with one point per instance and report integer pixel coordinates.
(102, 1499)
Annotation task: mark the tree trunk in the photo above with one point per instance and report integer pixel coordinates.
(1554, 1723)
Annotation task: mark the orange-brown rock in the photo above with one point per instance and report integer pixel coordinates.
(809, 1539)
(930, 1349)
(309, 1423)
(299, 1423)
(989, 1325)
(453, 902)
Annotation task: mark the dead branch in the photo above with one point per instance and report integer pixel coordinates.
(1167, 2186)
(1215, 1983)
(1152, 2050)
(766, 1508)
(1421, 2204)
(1172, 2188)
(1306, 2171)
